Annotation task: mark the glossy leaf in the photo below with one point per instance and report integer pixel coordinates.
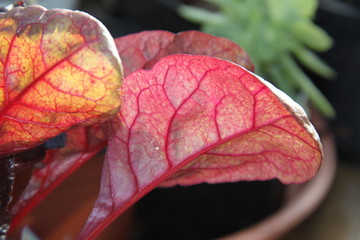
(193, 119)
(142, 50)
(58, 69)
(82, 145)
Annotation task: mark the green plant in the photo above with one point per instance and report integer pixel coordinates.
(277, 34)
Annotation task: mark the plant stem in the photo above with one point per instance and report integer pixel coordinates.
(7, 173)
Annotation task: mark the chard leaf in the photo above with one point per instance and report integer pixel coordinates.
(59, 69)
(193, 119)
(142, 50)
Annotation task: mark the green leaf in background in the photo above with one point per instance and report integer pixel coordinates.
(312, 36)
(310, 60)
(306, 8)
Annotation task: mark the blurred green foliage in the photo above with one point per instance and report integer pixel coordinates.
(277, 34)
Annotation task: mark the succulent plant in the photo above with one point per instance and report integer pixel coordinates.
(277, 34)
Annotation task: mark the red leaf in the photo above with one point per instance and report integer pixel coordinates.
(82, 144)
(142, 50)
(195, 119)
(58, 68)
